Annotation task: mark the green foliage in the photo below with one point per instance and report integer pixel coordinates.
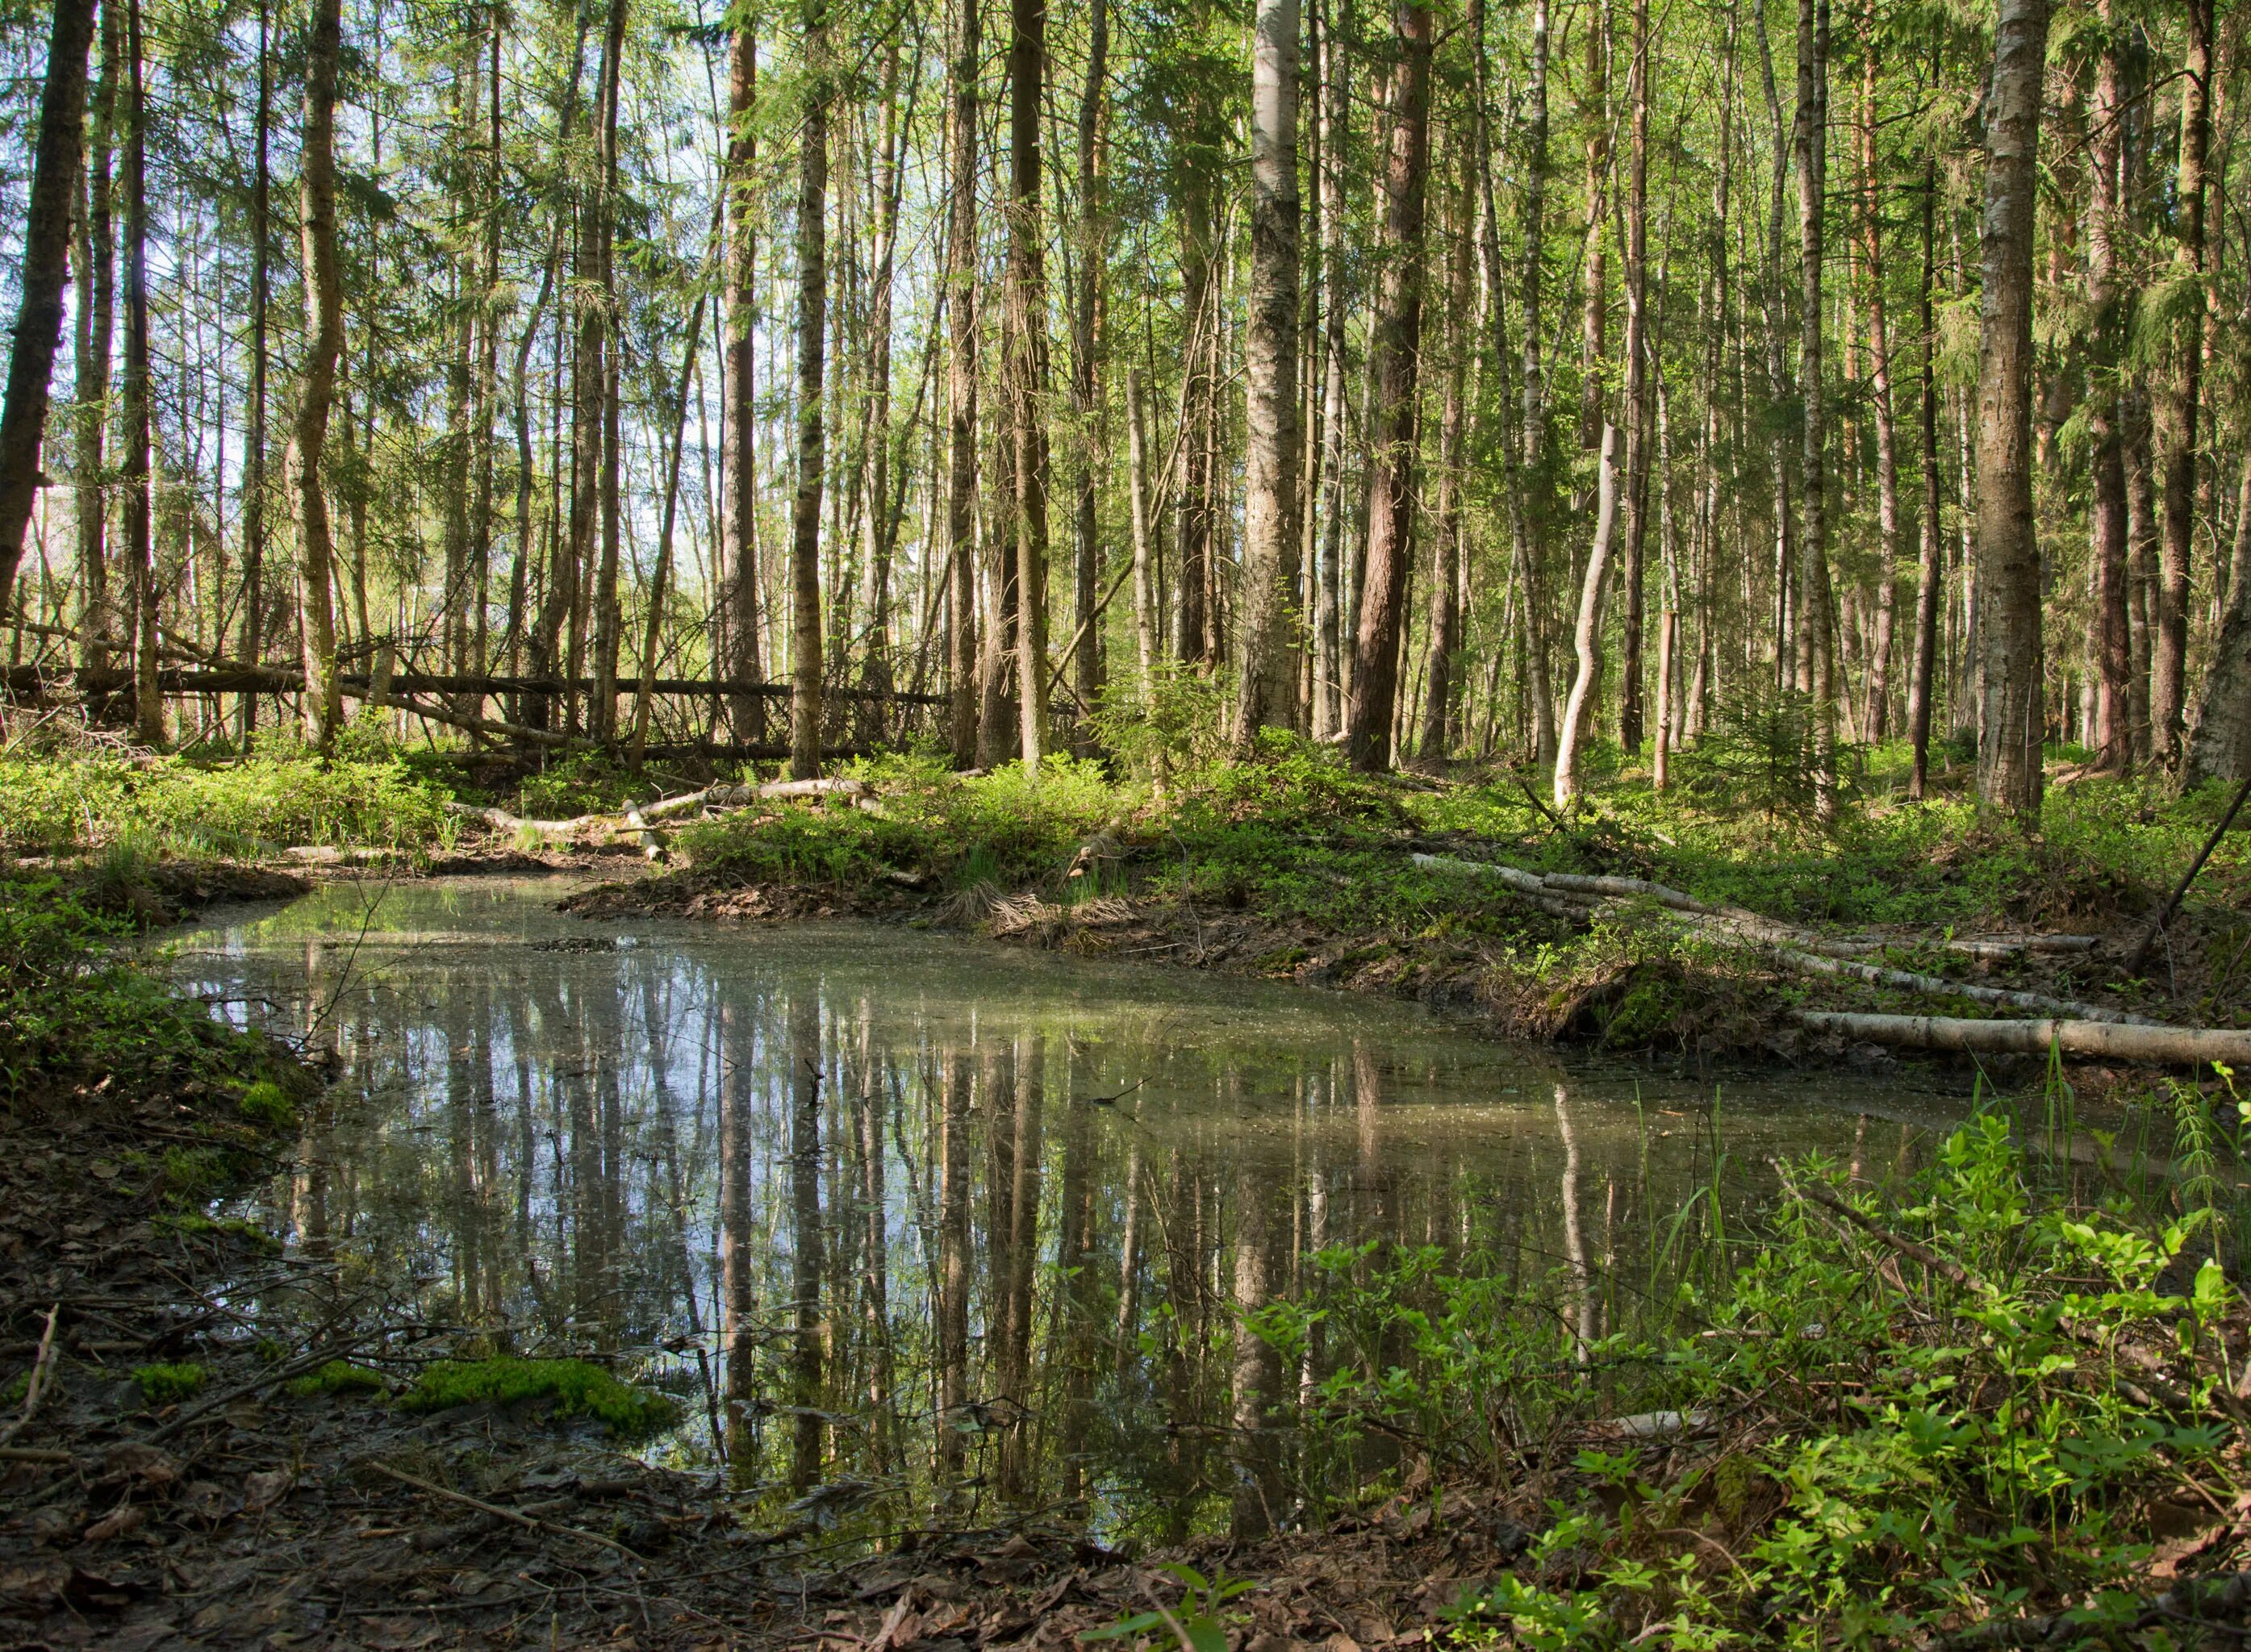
(1178, 721)
(1758, 756)
(169, 1384)
(75, 1008)
(1198, 1624)
(575, 1387)
(340, 1377)
(575, 782)
(200, 809)
(1933, 1443)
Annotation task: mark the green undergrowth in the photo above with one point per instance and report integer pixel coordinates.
(203, 806)
(81, 1010)
(1990, 1391)
(167, 1385)
(339, 1377)
(575, 1387)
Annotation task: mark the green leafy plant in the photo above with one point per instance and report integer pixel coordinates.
(1198, 1624)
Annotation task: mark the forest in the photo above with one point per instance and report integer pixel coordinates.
(1570, 379)
(1298, 826)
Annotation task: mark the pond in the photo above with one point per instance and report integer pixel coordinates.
(913, 1223)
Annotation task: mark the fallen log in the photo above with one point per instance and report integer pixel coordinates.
(2132, 1041)
(1907, 980)
(639, 819)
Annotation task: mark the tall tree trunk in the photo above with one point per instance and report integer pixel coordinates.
(1086, 348)
(602, 709)
(1397, 355)
(812, 340)
(97, 298)
(56, 156)
(325, 330)
(2177, 402)
(1194, 503)
(1330, 643)
(1594, 271)
(2008, 552)
(485, 385)
(1146, 642)
(2106, 226)
(1534, 489)
(1810, 144)
(739, 655)
(1026, 367)
(1931, 550)
(885, 182)
(1269, 690)
(661, 577)
(1636, 387)
(252, 649)
(1444, 640)
(1587, 637)
(2219, 745)
(139, 551)
(961, 389)
(1876, 721)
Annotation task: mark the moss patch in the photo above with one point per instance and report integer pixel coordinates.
(575, 1387)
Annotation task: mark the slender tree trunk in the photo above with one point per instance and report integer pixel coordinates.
(2112, 735)
(141, 560)
(2219, 745)
(1929, 575)
(1027, 366)
(961, 389)
(97, 298)
(1537, 494)
(1329, 647)
(56, 157)
(660, 577)
(1587, 637)
(1876, 721)
(740, 657)
(1146, 641)
(1637, 388)
(605, 447)
(252, 649)
(2177, 402)
(1269, 688)
(1809, 145)
(875, 659)
(2008, 552)
(1444, 640)
(812, 340)
(1086, 350)
(1397, 355)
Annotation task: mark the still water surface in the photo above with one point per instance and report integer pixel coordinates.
(905, 1218)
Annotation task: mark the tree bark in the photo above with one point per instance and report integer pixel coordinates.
(97, 298)
(1929, 574)
(2219, 745)
(1444, 640)
(602, 708)
(1146, 640)
(141, 562)
(1330, 644)
(739, 654)
(1876, 705)
(1086, 350)
(1587, 638)
(2112, 735)
(1636, 501)
(812, 359)
(2177, 403)
(961, 389)
(251, 648)
(55, 161)
(1026, 367)
(1810, 143)
(1268, 687)
(2009, 777)
(324, 328)
(1397, 355)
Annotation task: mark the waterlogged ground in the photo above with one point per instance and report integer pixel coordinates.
(906, 1220)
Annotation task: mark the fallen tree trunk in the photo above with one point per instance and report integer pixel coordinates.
(639, 819)
(1796, 949)
(2109, 1040)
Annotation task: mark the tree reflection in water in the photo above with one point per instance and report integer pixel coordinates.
(845, 1191)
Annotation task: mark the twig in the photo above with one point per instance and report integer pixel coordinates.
(37, 1384)
(478, 1504)
(2165, 912)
